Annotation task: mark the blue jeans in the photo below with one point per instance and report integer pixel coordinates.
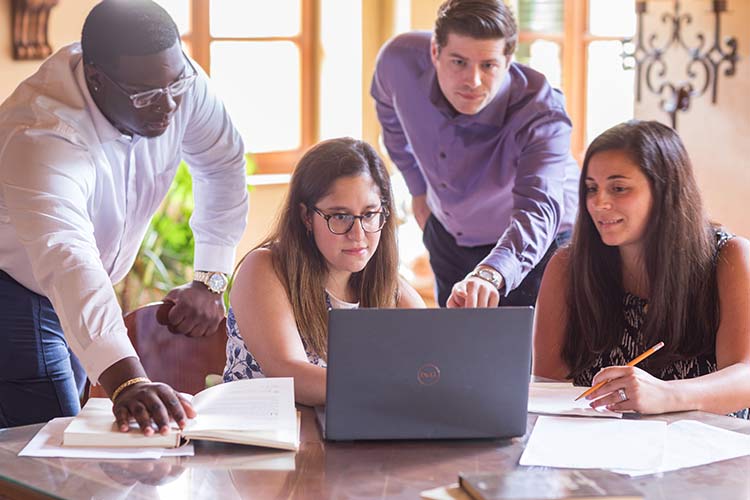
(37, 381)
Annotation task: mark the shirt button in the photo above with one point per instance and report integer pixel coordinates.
(442, 155)
(443, 185)
(459, 233)
(447, 214)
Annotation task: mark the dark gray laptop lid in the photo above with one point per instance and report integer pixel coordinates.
(428, 373)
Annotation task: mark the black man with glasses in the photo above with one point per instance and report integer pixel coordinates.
(89, 145)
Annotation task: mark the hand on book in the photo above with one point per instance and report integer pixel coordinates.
(151, 404)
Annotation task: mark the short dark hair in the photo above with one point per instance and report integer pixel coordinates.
(116, 28)
(481, 19)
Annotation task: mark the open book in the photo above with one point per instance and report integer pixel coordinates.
(257, 412)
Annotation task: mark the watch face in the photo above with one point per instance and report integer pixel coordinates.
(488, 275)
(217, 282)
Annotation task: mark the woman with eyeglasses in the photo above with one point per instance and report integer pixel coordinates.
(334, 246)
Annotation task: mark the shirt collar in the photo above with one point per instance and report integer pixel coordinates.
(493, 114)
(104, 129)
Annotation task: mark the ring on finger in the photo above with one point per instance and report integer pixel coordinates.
(623, 395)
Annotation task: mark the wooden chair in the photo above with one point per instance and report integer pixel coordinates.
(180, 361)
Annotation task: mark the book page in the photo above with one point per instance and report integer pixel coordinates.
(557, 398)
(596, 443)
(245, 405)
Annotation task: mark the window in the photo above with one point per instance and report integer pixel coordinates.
(261, 57)
(576, 44)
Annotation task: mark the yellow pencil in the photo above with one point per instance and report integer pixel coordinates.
(634, 362)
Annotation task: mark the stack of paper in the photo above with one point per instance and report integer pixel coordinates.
(691, 443)
(48, 443)
(633, 447)
(555, 398)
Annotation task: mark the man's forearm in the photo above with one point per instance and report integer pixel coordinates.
(120, 372)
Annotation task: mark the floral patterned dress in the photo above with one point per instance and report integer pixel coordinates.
(632, 344)
(242, 364)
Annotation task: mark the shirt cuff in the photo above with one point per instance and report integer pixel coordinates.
(104, 352)
(217, 258)
(503, 261)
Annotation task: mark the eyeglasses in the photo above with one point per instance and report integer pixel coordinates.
(150, 97)
(371, 222)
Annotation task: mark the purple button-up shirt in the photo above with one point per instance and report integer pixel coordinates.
(504, 176)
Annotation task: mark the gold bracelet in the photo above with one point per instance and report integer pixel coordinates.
(127, 384)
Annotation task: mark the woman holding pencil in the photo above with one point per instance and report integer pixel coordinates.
(646, 266)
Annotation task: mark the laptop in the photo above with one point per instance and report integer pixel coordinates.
(427, 373)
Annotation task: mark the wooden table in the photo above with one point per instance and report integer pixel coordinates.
(348, 470)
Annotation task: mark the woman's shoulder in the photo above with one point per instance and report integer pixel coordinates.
(733, 250)
(733, 267)
(256, 268)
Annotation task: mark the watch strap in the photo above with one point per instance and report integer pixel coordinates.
(489, 275)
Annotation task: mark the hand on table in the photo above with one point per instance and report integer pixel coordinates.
(630, 389)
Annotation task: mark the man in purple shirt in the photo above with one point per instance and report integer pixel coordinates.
(484, 146)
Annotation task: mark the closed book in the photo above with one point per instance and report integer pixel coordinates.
(257, 412)
(551, 484)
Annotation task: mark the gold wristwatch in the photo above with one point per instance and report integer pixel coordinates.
(215, 281)
(489, 275)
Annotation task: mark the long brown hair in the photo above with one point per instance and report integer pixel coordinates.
(296, 259)
(679, 252)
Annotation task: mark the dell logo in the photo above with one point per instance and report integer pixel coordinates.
(428, 374)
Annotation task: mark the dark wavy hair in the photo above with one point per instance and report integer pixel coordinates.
(480, 19)
(679, 254)
(297, 261)
(116, 28)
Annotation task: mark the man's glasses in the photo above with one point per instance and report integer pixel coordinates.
(371, 222)
(150, 97)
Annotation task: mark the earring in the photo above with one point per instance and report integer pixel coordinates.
(95, 88)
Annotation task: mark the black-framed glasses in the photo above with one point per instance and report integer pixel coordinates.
(150, 97)
(371, 222)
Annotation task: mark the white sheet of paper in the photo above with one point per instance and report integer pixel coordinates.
(596, 443)
(556, 398)
(691, 443)
(48, 443)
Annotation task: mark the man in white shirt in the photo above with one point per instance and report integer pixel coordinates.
(89, 146)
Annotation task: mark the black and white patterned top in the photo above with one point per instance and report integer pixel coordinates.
(632, 344)
(241, 364)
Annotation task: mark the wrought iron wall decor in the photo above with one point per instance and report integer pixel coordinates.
(703, 65)
(30, 20)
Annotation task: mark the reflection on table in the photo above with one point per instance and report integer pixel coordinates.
(343, 470)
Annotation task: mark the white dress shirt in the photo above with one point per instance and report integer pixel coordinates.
(76, 197)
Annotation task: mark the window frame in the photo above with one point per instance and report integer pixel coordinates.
(198, 43)
(574, 43)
